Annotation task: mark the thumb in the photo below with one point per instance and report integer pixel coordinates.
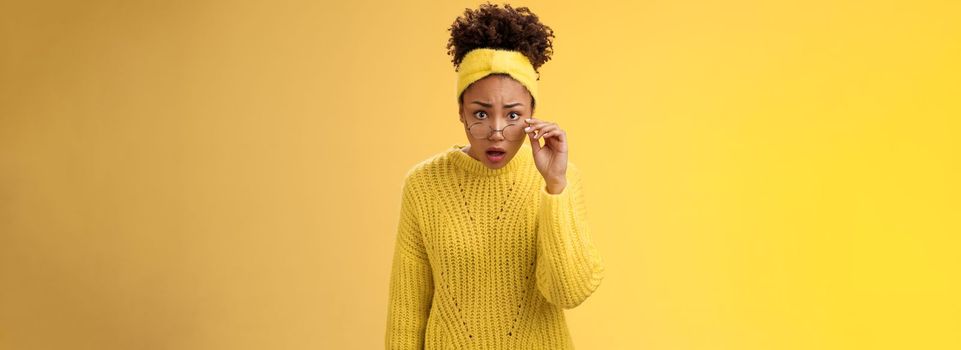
(535, 143)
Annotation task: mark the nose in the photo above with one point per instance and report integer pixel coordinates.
(498, 135)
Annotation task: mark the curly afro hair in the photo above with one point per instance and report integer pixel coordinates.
(508, 28)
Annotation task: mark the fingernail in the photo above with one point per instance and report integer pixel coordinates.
(527, 129)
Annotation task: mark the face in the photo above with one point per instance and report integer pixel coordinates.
(496, 100)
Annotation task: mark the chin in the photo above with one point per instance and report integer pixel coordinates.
(499, 164)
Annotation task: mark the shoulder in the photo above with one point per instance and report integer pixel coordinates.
(575, 175)
(573, 169)
(422, 171)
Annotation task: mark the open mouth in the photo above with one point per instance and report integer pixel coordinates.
(495, 155)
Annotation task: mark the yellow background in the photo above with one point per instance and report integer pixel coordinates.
(226, 174)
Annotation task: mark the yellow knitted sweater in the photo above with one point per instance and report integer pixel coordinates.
(487, 258)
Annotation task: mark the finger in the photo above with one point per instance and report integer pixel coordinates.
(536, 122)
(545, 130)
(531, 130)
(552, 133)
(535, 144)
(558, 135)
(539, 128)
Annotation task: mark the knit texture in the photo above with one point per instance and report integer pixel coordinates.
(487, 258)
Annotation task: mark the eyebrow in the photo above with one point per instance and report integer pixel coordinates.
(488, 105)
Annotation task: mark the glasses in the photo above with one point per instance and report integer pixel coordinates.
(511, 132)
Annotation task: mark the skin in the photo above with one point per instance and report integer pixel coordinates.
(500, 100)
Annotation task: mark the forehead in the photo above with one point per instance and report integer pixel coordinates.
(497, 87)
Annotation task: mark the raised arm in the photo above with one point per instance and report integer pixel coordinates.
(569, 268)
(411, 284)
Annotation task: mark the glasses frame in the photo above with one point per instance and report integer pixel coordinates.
(492, 131)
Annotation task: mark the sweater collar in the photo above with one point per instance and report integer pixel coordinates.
(476, 167)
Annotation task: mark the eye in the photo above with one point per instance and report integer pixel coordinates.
(479, 113)
(515, 113)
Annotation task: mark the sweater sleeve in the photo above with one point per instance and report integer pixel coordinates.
(569, 268)
(411, 283)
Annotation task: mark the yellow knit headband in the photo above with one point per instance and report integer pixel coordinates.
(479, 63)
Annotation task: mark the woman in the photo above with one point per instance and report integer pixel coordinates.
(492, 241)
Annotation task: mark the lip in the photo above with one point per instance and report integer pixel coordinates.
(495, 159)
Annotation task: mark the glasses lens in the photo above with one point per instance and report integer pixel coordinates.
(513, 132)
(479, 131)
